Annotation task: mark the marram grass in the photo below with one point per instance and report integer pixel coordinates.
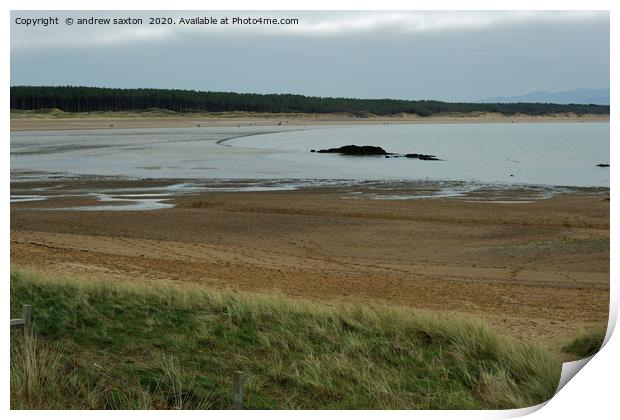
(118, 346)
(587, 344)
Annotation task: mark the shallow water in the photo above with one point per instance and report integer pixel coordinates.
(564, 154)
(546, 154)
(23, 198)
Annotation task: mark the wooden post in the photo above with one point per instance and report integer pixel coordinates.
(26, 314)
(237, 391)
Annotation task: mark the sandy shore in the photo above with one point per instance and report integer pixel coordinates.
(537, 270)
(127, 120)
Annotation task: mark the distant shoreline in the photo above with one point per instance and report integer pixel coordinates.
(58, 120)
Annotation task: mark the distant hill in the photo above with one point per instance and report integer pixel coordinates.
(575, 96)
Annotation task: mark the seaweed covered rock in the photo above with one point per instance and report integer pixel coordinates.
(354, 150)
(421, 156)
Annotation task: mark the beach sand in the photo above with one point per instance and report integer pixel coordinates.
(537, 270)
(120, 120)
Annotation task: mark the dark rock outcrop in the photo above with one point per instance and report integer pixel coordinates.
(421, 156)
(353, 150)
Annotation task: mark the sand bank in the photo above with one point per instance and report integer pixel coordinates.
(111, 120)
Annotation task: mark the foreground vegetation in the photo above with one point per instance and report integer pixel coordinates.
(98, 345)
(588, 344)
(90, 99)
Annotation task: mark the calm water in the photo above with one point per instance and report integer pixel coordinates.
(547, 154)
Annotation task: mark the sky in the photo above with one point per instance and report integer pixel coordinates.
(450, 56)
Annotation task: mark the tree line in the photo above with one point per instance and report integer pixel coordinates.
(89, 99)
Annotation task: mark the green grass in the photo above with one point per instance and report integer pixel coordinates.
(99, 345)
(588, 344)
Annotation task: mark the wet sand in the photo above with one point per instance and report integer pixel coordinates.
(537, 269)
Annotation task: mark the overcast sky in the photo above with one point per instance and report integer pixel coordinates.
(453, 56)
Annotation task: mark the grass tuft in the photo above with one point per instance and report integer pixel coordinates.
(588, 344)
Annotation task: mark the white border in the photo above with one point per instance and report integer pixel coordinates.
(591, 394)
